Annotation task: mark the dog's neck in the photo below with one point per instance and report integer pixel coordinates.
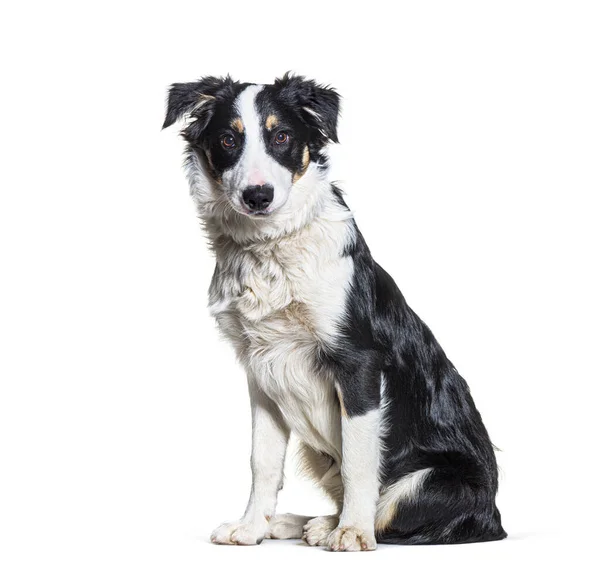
(299, 259)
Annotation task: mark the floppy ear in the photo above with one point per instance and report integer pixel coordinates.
(184, 98)
(318, 106)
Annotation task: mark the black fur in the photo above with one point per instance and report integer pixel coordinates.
(288, 98)
(183, 98)
(432, 420)
(210, 103)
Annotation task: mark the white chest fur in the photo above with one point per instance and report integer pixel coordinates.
(278, 301)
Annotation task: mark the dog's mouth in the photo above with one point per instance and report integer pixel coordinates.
(245, 211)
(258, 214)
(239, 206)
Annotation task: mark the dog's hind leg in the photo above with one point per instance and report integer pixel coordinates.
(287, 526)
(324, 471)
(439, 505)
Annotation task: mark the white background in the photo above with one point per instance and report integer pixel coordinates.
(470, 144)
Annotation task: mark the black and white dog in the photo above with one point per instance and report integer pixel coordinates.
(333, 353)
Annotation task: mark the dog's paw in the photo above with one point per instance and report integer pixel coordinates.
(286, 526)
(317, 530)
(351, 539)
(239, 533)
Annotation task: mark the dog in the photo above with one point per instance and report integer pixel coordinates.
(332, 351)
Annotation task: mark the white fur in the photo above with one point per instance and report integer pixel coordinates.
(404, 490)
(269, 442)
(287, 526)
(360, 474)
(309, 198)
(277, 301)
(317, 530)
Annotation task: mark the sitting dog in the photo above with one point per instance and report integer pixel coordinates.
(332, 351)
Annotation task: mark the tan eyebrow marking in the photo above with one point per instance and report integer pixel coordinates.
(238, 125)
(272, 121)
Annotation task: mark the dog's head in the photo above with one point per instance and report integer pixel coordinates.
(256, 142)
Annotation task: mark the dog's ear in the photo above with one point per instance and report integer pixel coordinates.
(318, 106)
(197, 96)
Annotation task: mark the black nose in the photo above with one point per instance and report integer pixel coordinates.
(258, 197)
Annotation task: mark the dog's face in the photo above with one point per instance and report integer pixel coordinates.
(256, 141)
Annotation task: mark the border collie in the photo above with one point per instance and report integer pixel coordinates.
(332, 351)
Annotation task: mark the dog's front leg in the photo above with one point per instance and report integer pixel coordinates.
(269, 442)
(361, 424)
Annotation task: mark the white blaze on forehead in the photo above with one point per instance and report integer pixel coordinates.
(246, 106)
(254, 148)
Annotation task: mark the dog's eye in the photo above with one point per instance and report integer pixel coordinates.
(281, 138)
(228, 141)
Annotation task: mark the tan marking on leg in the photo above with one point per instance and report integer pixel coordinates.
(271, 122)
(237, 125)
(385, 515)
(305, 162)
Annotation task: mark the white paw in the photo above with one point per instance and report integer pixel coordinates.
(351, 539)
(239, 533)
(318, 529)
(286, 526)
